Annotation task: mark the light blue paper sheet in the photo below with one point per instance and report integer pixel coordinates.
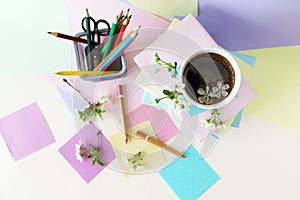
(190, 177)
(71, 101)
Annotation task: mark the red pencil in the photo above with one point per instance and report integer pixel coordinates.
(121, 32)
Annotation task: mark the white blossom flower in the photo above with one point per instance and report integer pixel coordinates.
(205, 95)
(220, 90)
(139, 168)
(207, 124)
(125, 161)
(221, 126)
(214, 122)
(77, 152)
(179, 86)
(103, 99)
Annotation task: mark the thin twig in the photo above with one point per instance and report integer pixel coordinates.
(66, 81)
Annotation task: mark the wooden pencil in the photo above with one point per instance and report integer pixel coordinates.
(122, 106)
(69, 37)
(159, 144)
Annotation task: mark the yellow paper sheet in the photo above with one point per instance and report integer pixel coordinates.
(277, 84)
(173, 23)
(168, 7)
(152, 155)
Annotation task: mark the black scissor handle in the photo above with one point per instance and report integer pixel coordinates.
(83, 23)
(101, 32)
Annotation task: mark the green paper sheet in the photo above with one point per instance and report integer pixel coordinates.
(168, 7)
(275, 78)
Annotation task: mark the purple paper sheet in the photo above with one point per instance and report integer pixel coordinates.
(244, 24)
(25, 131)
(88, 136)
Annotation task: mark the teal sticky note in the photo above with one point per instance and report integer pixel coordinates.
(190, 177)
(237, 120)
(246, 58)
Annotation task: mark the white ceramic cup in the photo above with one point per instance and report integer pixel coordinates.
(230, 65)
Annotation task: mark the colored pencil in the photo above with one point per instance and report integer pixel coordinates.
(72, 38)
(106, 48)
(121, 32)
(84, 73)
(113, 55)
(121, 20)
(159, 144)
(122, 106)
(89, 42)
(119, 16)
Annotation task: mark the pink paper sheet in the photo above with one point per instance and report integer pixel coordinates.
(25, 131)
(161, 123)
(88, 136)
(185, 38)
(151, 28)
(108, 10)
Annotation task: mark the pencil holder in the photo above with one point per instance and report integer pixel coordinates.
(118, 65)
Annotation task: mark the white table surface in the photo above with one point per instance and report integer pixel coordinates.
(259, 160)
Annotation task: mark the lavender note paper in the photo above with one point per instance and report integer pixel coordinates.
(25, 131)
(87, 135)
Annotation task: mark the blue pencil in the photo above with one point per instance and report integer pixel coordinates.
(115, 53)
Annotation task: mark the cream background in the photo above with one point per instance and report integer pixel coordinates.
(257, 161)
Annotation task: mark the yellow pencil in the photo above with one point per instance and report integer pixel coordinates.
(84, 73)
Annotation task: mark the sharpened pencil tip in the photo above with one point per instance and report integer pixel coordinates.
(87, 12)
(126, 141)
(183, 156)
(53, 33)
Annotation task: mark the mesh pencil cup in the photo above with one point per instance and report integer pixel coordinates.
(118, 65)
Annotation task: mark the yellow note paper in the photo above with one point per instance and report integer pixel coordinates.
(153, 157)
(168, 7)
(277, 84)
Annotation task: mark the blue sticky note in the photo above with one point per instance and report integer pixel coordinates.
(194, 110)
(189, 177)
(237, 120)
(246, 58)
(147, 99)
(71, 101)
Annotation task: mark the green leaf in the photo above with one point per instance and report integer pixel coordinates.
(157, 100)
(171, 96)
(166, 92)
(94, 162)
(100, 163)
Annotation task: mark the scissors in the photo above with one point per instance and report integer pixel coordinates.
(95, 30)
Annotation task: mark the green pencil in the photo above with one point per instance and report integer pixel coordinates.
(108, 44)
(88, 37)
